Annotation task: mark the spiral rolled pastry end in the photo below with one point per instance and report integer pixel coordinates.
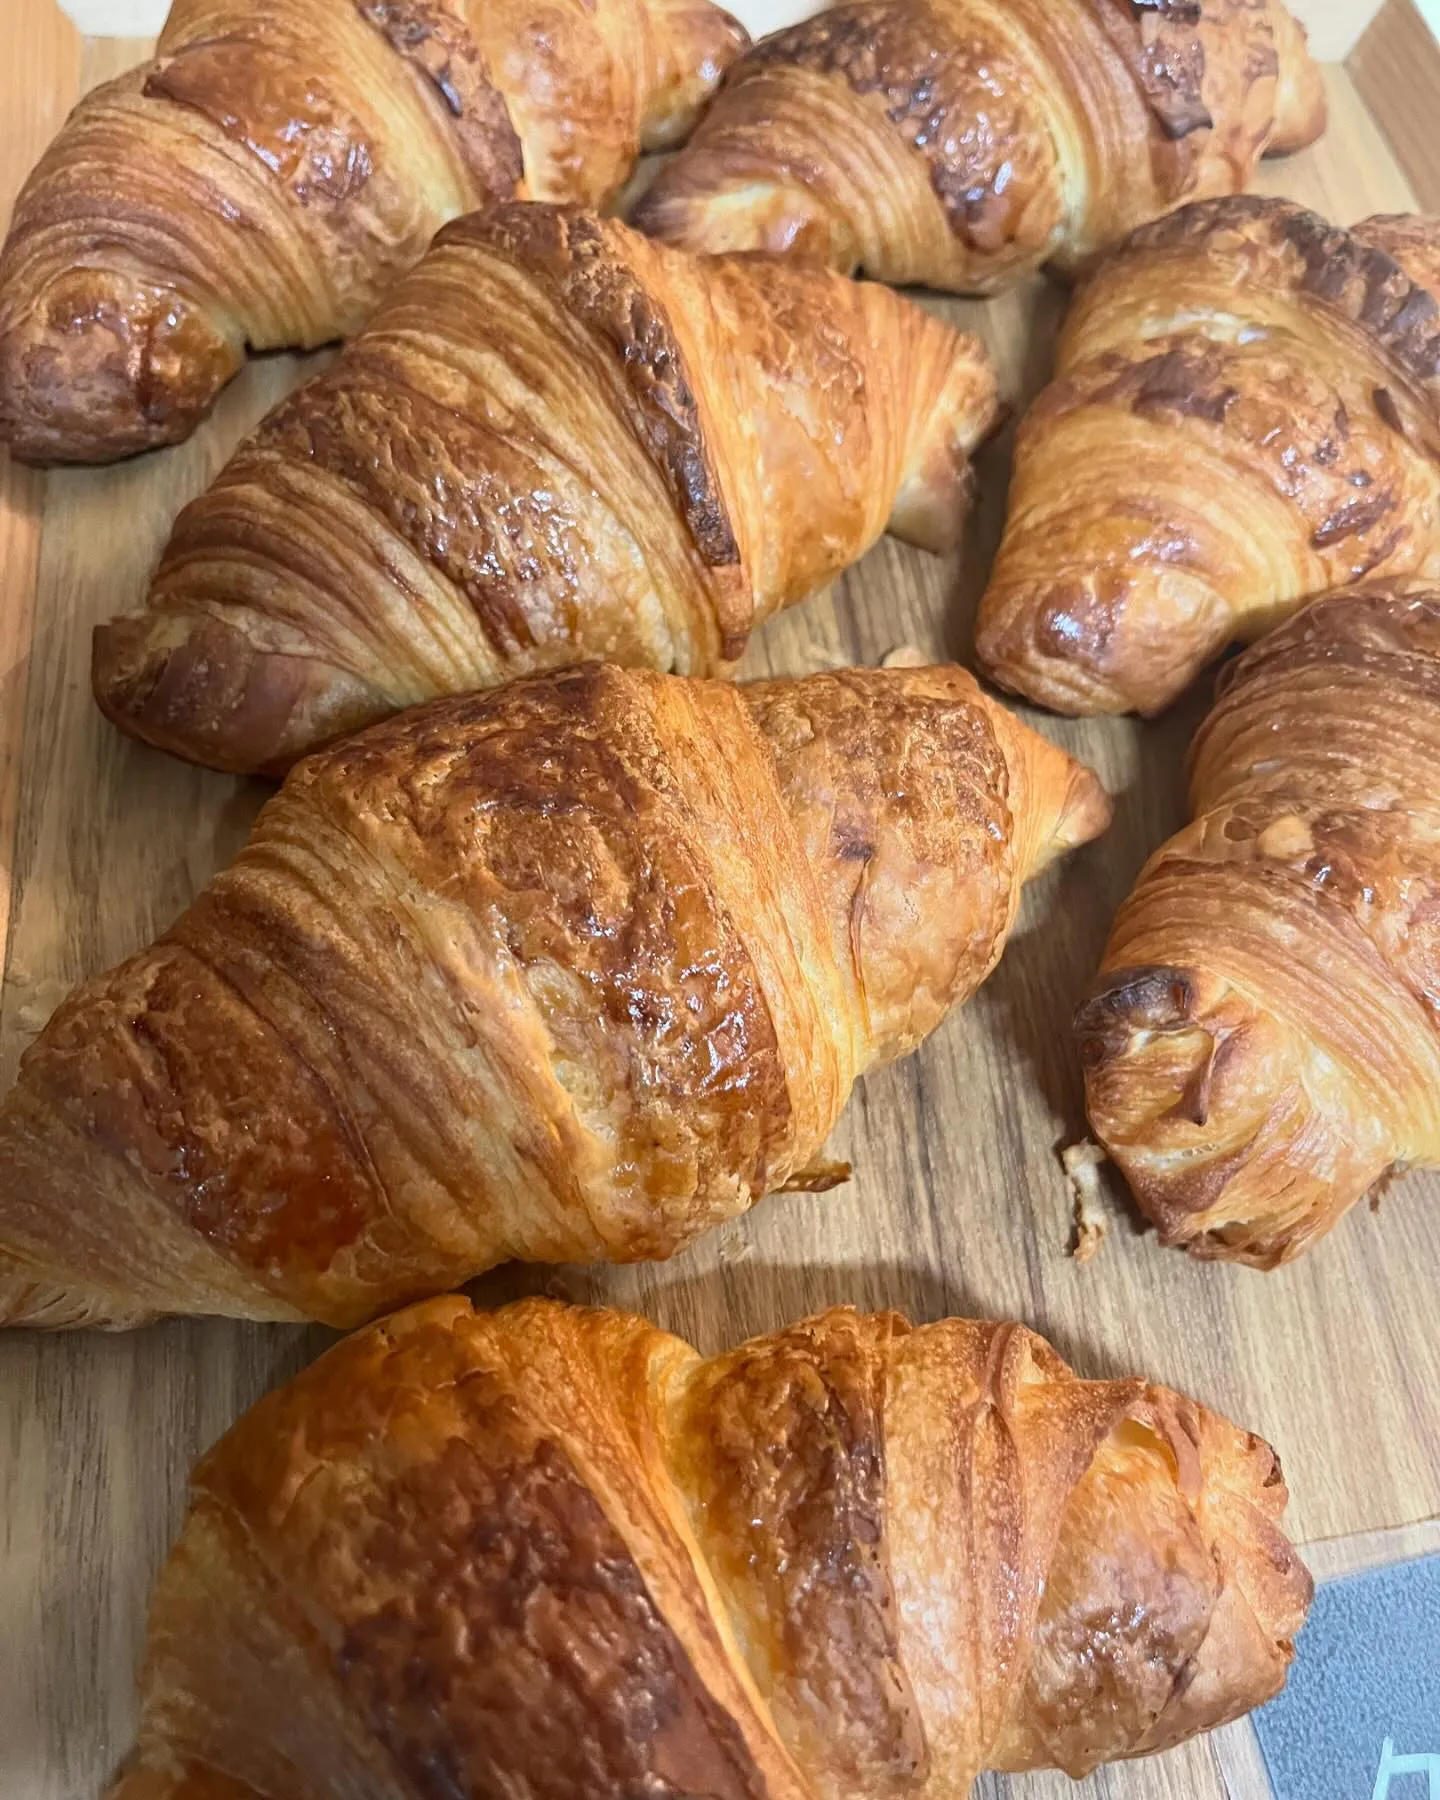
(553, 1551)
(963, 145)
(1245, 413)
(271, 172)
(1261, 1048)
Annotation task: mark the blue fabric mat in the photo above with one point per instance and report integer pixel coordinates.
(1360, 1716)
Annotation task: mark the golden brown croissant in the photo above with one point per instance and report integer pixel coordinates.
(1261, 1047)
(556, 440)
(280, 162)
(1246, 413)
(570, 971)
(963, 144)
(553, 1552)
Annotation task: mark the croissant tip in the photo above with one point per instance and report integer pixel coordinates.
(1088, 813)
(31, 1300)
(75, 389)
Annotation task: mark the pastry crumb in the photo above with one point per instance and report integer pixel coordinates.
(737, 1250)
(906, 656)
(1082, 1170)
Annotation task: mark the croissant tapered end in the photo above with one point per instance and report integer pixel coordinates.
(1206, 1106)
(697, 43)
(208, 693)
(29, 1297)
(1066, 801)
(1302, 107)
(101, 364)
(1265, 1589)
(845, 1548)
(1050, 639)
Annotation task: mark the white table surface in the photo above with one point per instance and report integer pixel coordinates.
(1335, 25)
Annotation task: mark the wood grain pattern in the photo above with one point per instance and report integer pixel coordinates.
(1396, 71)
(958, 1203)
(42, 84)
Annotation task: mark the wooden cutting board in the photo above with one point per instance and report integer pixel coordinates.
(958, 1203)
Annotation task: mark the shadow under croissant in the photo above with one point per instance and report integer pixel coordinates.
(717, 1307)
(1050, 961)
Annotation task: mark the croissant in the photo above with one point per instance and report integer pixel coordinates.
(570, 971)
(552, 1551)
(1261, 1047)
(1246, 413)
(280, 162)
(963, 144)
(557, 440)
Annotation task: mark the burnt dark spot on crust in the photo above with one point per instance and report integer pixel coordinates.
(1177, 382)
(1160, 41)
(1183, 12)
(438, 43)
(1172, 75)
(791, 1488)
(1353, 520)
(1151, 997)
(573, 252)
(1329, 449)
(1185, 378)
(1388, 410)
(851, 841)
(1337, 268)
(527, 1654)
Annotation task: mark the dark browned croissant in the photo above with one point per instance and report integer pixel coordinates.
(1262, 1048)
(551, 1552)
(556, 440)
(570, 971)
(962, 143)
(280, 162)
(1246, 413)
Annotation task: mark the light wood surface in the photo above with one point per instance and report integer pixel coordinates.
(1396, 71)
(958, 1202)
(44, 78)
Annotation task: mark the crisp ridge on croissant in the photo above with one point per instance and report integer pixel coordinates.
(569, 971)
(1261, 1047)
(552, 1552)
(963, 144)
(1246, 413)
(556, 440)
(280, 162)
